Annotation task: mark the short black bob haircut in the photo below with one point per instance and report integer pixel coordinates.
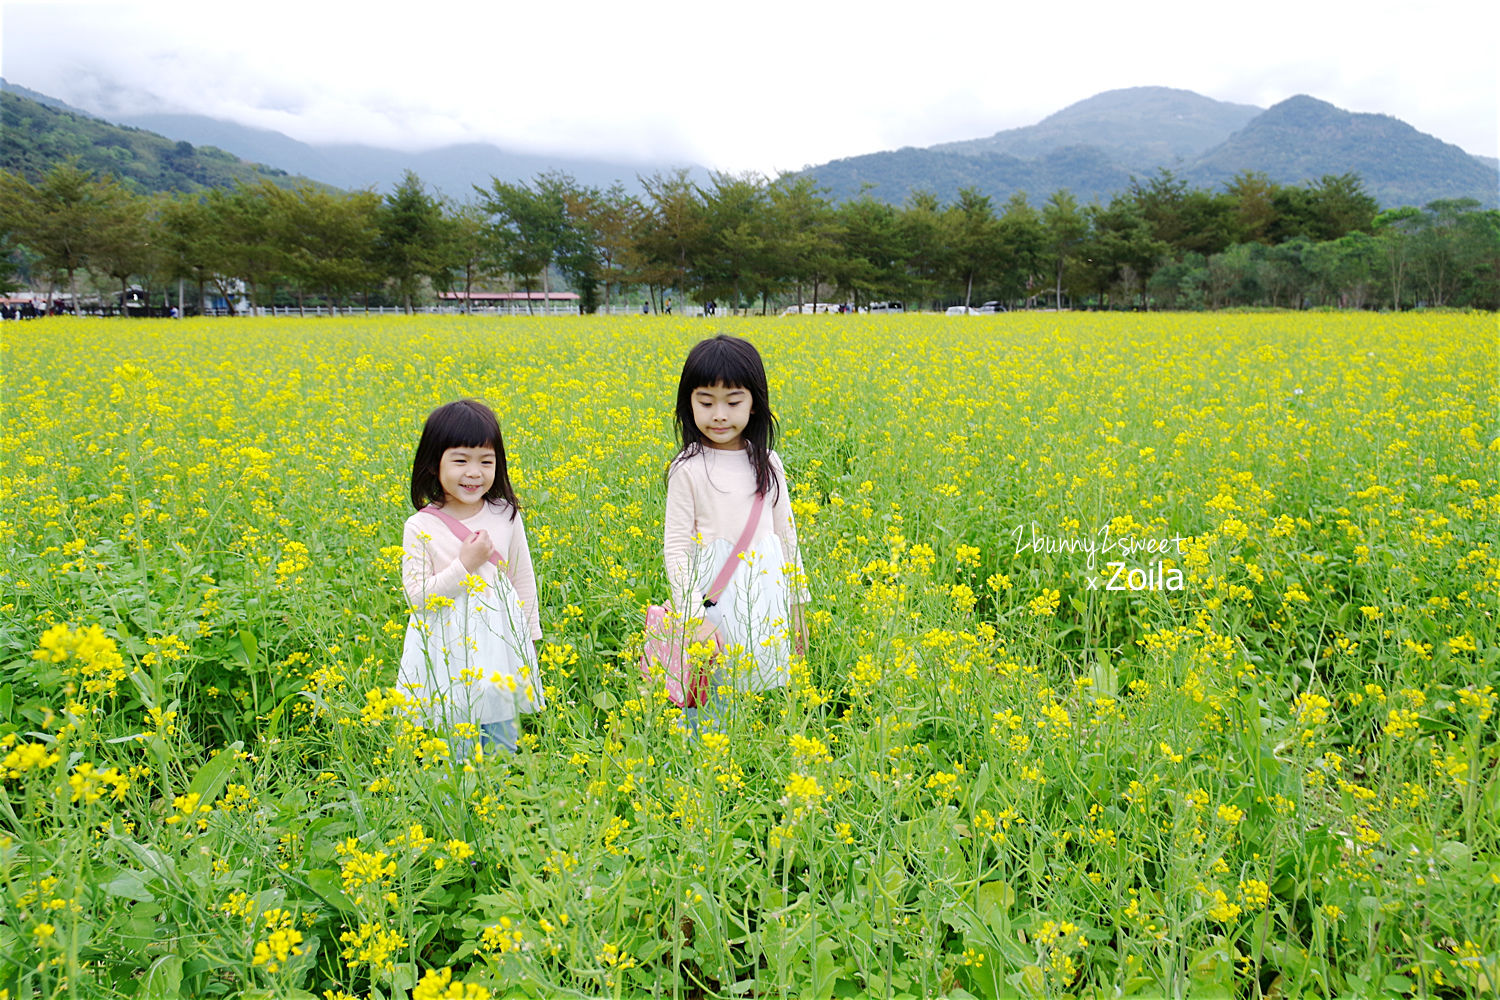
(466, 423)
(733, 363)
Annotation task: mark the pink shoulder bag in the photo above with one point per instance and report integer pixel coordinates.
(459, 529)
(667, 640)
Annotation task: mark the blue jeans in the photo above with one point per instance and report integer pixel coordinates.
(710, 712)
(491, 734)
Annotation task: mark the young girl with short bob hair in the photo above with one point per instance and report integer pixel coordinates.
(726, 460)
(469, 661)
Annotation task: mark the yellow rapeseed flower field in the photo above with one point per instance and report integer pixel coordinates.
(1150, 655)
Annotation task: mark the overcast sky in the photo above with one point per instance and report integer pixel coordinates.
(768, 85)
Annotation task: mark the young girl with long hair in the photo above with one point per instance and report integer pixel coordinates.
(469, 661)
(726, 460)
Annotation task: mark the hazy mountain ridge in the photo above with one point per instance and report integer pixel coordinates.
(1094, 147)
(1139, 128)
(451, 170)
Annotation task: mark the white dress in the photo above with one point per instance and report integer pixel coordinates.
(468, 655)
(753, 614)
(709, 497)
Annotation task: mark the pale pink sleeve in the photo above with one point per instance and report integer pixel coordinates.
(421, 576)
(678, 537)
(785, 526)
(522, 577)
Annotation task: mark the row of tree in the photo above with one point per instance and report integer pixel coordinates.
(747, 241)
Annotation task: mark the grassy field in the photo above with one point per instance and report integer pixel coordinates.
(1151, 655)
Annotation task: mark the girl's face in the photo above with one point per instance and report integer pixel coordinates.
(466, 475)
(722, 412)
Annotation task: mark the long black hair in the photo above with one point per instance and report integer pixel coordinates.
(465, 423)
(735, 364)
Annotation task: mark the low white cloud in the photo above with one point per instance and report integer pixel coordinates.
(775, 85)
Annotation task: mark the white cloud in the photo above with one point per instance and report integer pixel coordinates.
(774, 85)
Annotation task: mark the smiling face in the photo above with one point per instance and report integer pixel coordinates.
(721, 413)
(466, 474)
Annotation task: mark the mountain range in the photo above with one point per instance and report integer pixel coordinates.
(1092, 148)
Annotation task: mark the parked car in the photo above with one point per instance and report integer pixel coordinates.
(962, 311)
(990, 308)
(885, 307)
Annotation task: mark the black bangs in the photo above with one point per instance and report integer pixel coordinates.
(723, 360)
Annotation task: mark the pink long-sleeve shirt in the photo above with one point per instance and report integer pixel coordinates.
(430, 563)
(709, 495)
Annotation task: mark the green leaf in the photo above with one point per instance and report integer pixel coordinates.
(248, 652)
(163, 980)
(404, 978)
(329, 885)
(995, 899)
(130, 885)
(211, 777)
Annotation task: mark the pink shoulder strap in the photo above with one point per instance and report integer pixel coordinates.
(460, 531)
(732, 563)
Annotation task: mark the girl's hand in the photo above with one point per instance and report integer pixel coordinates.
(475, 552)
(705, 633)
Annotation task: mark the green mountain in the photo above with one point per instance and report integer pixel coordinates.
(1138, 128)
(1087, 171)
(1303, 138)
(36, 136)
(1093, 149)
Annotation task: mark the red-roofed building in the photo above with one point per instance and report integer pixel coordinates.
(517, 303)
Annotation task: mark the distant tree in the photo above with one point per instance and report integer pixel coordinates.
(802, 233)
(1064, 228)
(466, 253)
(248, 248)
(1252, 199)
(734, 254)
(971, 232)
(1233, 276)
(61, 217)
(1022, 240)
(1343, 270)
(921, 226)
(1395, 232)
(329, 240)
(122, 246)
(1282, 273)
(872, 249)
(672, 235)
(528, 226)
(409, 237)
(1339, 205)
(1456, 252)
(1187, 220)
(595, 241)
(1121, 248)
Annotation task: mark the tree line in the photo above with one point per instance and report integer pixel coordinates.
(748, 242)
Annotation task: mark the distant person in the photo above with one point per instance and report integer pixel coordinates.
(666, 306)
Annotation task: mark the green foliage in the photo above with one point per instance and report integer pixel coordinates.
(38, 137)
